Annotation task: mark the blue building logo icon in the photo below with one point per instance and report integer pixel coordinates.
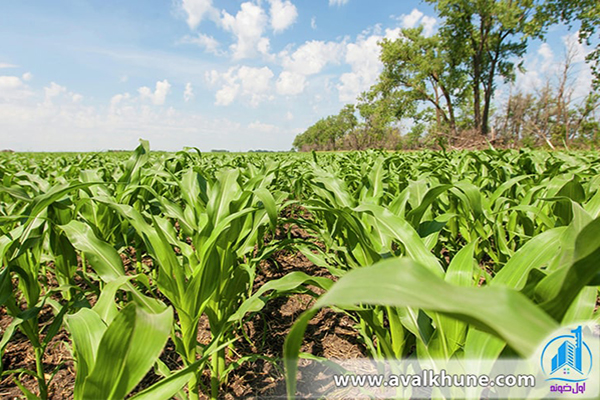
(567, 358)
(569, 354)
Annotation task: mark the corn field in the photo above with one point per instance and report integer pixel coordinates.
(430, 254)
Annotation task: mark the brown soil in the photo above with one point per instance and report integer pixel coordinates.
(329, 335)
(20, 354)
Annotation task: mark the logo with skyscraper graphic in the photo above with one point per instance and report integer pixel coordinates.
(567, 358)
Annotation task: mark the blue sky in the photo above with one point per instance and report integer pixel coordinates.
(79, 75)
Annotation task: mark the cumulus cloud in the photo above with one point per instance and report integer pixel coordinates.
(545, 51)
(337, 2)
(12, 88)
(67, 123)
(159, 95)
(363, 58)
(252, 83)
(283, 14)
(263, 127)
(68, 126)
(7, 65)
(312, 57)
(206, 42)
(54, 90)
(247, 26)
(197, 10)
(10, 82)
(118, 98)
(188, 93)
(410, 20)
(227, 94)
(416, 18)
(290, 83)
(27, 76)
(313, 22)
(255, 80)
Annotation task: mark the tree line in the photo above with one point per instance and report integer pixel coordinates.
(444, 84)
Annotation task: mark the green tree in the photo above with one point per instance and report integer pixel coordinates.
(485, 35)
(417, 70)
(328, 133)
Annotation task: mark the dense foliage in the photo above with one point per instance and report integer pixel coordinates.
(442, 87)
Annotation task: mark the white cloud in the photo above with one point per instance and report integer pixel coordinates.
(159, 95)
(27, 76)
(289, 116)
(290, 83)
(123, 78)
(197, 10)
(283, 14)
(52, 91)
(188, 93)
(117, 99)
(392, 33)
(247, 26)
(312, 57)
(580, 50)
(313, 22)
(350, 86)
(68, 124)
(226, 95)
(206, 42)
(337, 2)
(7, 65)
(255, 80)
(428, 25)
(416, 18)
(411, 20)
(545, 51)
(12, 89)
(252, 83)
(363, 58)
(544, 66)
(56, 91)
(581, 71)
(262, 127)
(547, 58)
(263, 46)
(10, 82)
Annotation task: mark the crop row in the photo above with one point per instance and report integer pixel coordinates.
(434, 255)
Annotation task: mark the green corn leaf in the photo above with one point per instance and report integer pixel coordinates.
(403, 282)
(127, 350)
(289, 282)
(104, 259)
(536, 253)
(460, 273)
(558, 290)
(86, 328)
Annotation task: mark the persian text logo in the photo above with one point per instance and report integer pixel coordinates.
(567, 358)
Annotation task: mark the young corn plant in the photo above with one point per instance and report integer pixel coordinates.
(551, 280)
(226, 219)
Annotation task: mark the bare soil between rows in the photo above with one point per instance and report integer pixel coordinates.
(329, 334)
